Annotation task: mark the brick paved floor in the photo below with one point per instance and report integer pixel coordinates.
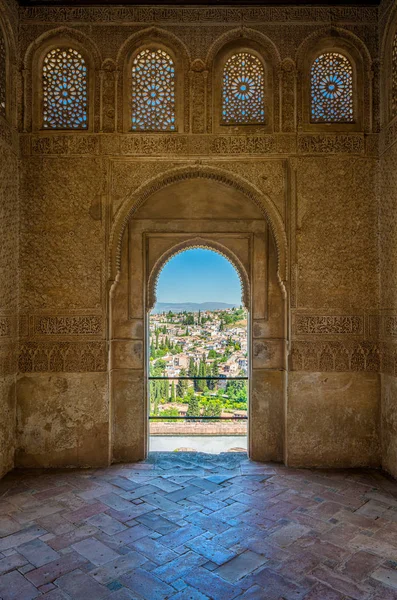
(192, 526)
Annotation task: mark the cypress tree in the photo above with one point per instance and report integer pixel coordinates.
(193, 409)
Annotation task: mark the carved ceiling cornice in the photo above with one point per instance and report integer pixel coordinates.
(206, 3)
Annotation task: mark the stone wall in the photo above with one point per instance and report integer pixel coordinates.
(387, 322)
(320, 401)
(9, 212)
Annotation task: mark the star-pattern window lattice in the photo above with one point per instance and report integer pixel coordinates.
(3, 77)
(394, 78)
(243, 101)
(332, 89)
(153, 91)
(64, 90)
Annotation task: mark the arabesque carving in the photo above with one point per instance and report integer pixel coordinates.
(331, 143)
(67, 325)
(335, 356)
(62, 357)
(128, 14)
(196, 172)
(330, 324)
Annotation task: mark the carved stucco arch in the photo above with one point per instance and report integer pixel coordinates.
(137, 198)
(181, 57)
(74, 35)
(206, 244)
(244, 35)
(32, 80)
(358, 54)
(151, 35)
(337, 33)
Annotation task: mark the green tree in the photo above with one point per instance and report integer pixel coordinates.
(181, 386)
(193, 409)
(173, 396)
(213, 408)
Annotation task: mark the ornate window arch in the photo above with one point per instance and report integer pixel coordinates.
(242, 84)
(3, 74)
(62, 66)
(153, 91)
(243, 90)
(64, 89)
(334, 85)
(153, 84)
(331, 89)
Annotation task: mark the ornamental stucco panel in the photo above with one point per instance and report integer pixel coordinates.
(8, 229)
(388, 227)
(62, 234)
(337, 233)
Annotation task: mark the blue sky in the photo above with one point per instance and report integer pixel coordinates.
(199, 275)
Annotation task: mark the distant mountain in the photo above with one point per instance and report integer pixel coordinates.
(178, 307)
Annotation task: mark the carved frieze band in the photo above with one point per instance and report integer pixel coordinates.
(67, 357)
(175, 14)
(344, 356)
(191, 145)
(335, 356)
(60, 325)
(68, 325)
(328, 324)
(331, 144)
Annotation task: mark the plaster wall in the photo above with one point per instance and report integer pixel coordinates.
(9, 216)
(320, 404)
(387, 323)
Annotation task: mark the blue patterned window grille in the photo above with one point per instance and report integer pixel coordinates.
(332, 89)
(64, 90)
(153, 91)
(243, 97)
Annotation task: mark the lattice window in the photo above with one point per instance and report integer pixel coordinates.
(153, 91)
(64, 90)
(3, 76)
(332, 89)
(243, 101)
(394, 78)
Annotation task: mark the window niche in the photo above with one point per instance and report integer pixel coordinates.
(331, 89)
(334, 91)
(63, 85)
(153, 89)
(242, 89)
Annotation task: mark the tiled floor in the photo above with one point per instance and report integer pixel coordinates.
(191, 526)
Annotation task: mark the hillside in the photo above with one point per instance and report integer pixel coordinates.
(178, 307)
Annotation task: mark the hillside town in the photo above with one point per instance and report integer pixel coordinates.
(204, 344)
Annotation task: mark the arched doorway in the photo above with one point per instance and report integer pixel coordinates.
(205, 212)
(198, 361)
